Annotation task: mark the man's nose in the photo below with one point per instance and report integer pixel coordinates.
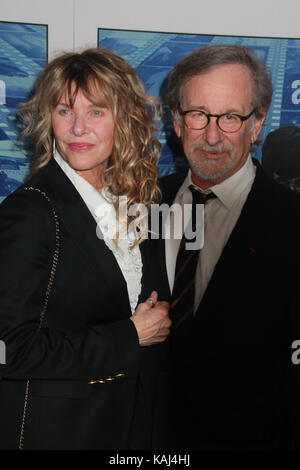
(79, 126)
(213, 133)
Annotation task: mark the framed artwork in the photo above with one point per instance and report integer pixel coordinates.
(154, 54)
(23, 54)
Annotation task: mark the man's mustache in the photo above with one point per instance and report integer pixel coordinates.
(218, 148)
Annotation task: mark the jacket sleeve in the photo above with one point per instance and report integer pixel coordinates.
(34, 350)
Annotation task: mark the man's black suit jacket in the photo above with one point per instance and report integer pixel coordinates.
(235, 385)
(86, 333)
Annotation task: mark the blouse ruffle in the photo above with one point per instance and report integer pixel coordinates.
(128, 257)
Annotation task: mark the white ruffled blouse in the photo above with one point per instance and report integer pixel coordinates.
(129, 259)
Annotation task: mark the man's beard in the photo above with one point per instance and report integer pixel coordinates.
(207, 170)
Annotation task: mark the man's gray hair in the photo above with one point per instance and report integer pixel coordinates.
(206, 58)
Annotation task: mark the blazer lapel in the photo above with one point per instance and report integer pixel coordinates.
(78, 221)
(245, 237)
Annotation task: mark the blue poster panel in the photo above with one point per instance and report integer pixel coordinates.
(23, 54)
(154, 54)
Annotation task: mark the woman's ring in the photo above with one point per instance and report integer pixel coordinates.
(150, 300)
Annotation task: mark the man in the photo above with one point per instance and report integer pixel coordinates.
(233, 386)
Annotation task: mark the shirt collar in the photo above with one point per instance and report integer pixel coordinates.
(229, 190)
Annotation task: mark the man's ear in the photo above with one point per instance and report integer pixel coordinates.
(177, 122)
(257, 126)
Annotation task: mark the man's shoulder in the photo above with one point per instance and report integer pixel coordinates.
(287, 200)
(274, 191)
(170, 184)
(174, 177)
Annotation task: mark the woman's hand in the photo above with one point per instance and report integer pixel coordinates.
(152, 321)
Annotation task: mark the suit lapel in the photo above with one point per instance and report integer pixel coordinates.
(78, 221)
(243, 241)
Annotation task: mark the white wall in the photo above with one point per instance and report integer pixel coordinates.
(232, 17)
(57, 14)
(74, 23)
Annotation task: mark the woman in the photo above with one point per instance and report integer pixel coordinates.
(81, 371)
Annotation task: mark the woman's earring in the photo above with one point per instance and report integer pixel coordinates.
(53, 147)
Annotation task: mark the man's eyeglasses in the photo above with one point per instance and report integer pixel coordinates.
(197, 120)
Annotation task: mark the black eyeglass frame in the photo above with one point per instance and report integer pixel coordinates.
(218, 116)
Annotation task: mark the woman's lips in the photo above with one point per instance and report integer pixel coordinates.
(80, 146)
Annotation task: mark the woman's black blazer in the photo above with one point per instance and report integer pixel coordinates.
(75, 376)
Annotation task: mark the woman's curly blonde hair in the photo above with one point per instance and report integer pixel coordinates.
(131, 170)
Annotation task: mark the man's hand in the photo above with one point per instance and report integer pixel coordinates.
(152, 321)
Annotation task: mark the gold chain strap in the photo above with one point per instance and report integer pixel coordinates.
(107, 379)
(47, 295)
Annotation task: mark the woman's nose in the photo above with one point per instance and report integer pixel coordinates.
(78, 125)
